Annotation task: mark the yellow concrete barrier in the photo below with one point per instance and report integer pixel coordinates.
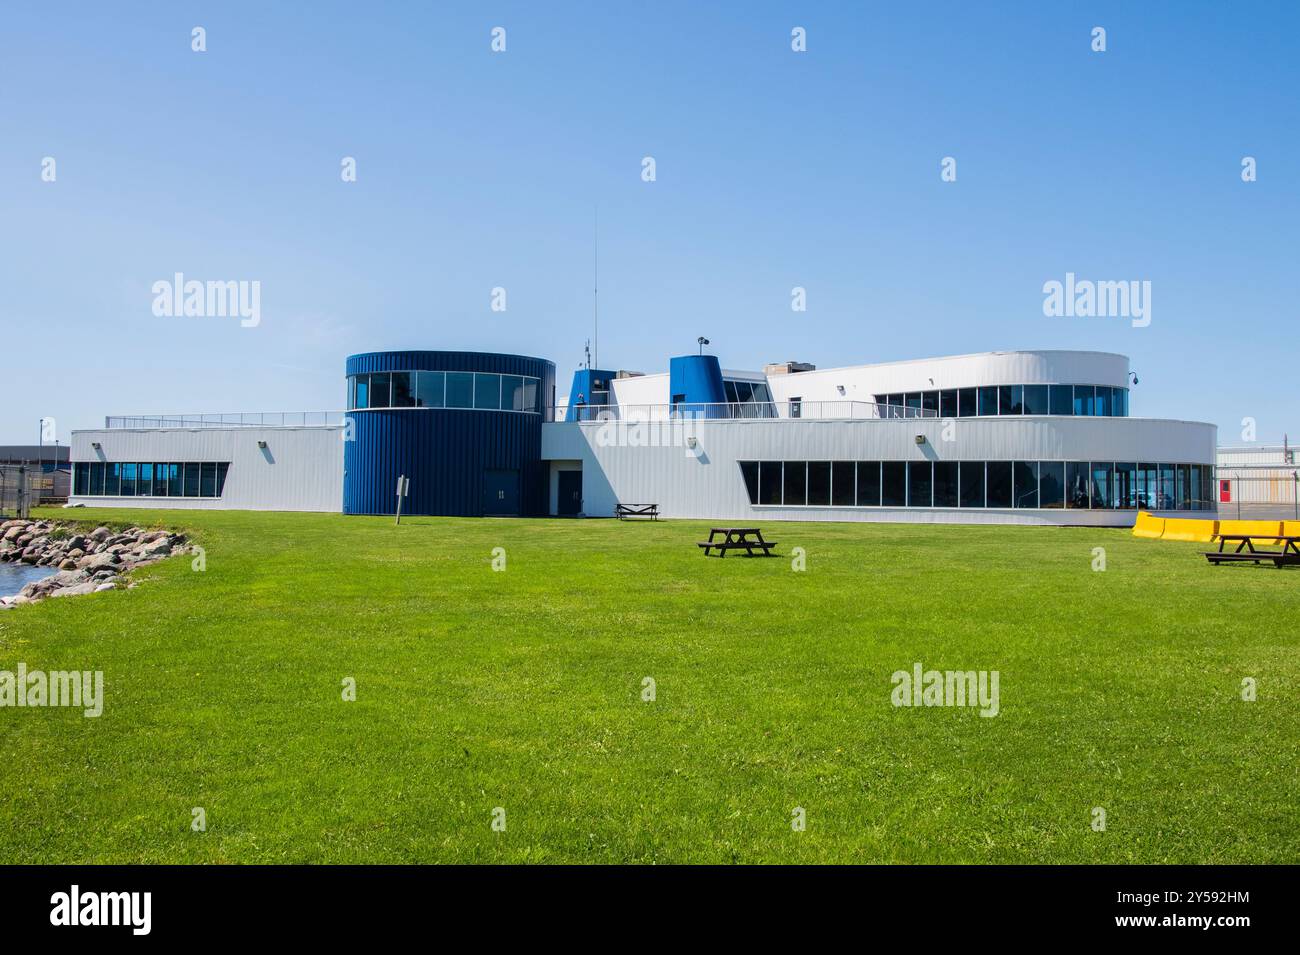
(1189, 529)
(1148, 526)
(1265, 532)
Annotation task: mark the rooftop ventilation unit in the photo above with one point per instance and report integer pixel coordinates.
(788, 368)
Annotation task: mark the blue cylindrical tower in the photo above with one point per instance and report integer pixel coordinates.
(465, 428)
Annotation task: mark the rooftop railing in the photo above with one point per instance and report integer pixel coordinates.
(748, 410)
(230, 419)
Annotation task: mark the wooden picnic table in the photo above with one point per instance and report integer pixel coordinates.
(622, 511)
(748, 539)
(1246, 551)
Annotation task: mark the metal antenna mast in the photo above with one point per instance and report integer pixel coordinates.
(595, 284)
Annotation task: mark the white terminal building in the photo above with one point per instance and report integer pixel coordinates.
(1028, 437)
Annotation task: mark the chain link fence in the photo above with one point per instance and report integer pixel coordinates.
(18, 490)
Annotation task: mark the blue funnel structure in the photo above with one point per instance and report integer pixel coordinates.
(695, 387)
(589, 394)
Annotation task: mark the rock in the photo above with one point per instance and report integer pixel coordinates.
(95, 561)
(159, 547)
(101, 534)
(76, 590)
(76, 553)
(69, 563)
(15, 531)
(76, 542)
(106, 585)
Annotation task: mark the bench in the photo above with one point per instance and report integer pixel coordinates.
(1288, 556)
(622, 511)
(748, 539)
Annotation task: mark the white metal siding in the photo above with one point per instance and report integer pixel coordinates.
(301, 469)
(710, 485)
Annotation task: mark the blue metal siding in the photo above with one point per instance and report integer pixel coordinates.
(699, 378)
(444, 452)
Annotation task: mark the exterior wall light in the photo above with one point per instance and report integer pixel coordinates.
(96, 445)
(262, 445)
(920, 439)
(692, 441)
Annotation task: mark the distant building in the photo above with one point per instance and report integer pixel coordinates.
(1257, 474)
(52, 460)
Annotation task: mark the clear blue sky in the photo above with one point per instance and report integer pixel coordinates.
(775, 170)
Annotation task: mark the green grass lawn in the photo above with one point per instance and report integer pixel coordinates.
(522, 689)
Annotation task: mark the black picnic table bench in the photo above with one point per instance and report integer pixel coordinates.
(1246, 552)
(622, 511)
(748, 539)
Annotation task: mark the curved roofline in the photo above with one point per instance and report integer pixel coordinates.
(978, 354)
(448, 351)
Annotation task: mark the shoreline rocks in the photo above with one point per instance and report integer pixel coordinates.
(85, 562)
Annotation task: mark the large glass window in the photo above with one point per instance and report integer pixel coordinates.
(191, 480)
(972, 484)
(222, 468)
(97, 477)
(1103, 485)
(929, 404)
(796, 483)
(208, 479)
(128, 480)
(999, 484)
(1166, 494)
(913, 404)
(1126, 485)
(967, 403)
(1120, 407)
(1083, 399)
(1011, 399)
(893, 483)
(1147, 488)
(1051, 484)
(945, 483)
(1076, 485)
(1025, 478)
(819, 483)
(512, 388)
(487, 392)
(402, 394)
(174, 481)
(381, 390)
(144, 480)
(749, 471)
(868, 484)
(1035, 399)
(948, 403)
(429, 387)
(460, 389)
(769, 486)
(1061, 399)
(81, 478)
(919, 484)
(1103, 403)
(842, 484)
(989, 400)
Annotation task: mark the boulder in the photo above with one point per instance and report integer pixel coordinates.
(96, 561)
(101, 534)
(76, 590)
(106, 585)
(68, 563)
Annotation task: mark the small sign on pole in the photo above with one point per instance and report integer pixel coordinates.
(403, 489)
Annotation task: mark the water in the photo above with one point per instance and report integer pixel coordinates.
(13, 577)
